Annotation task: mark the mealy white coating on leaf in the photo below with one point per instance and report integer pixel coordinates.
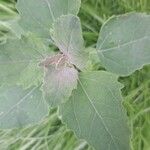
(94, 111)
(38, 15)
(67, 36)
(59, 83)
(124, 43)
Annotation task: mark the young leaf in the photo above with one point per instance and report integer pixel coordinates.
(94, 112)
(21, 107)
(37, 16)
(67, 36)
(124, 43)
(19, 60)
(59, 83)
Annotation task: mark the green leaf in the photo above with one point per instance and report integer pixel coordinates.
(21, 107)
(19, 60)
(12, 28)
(124, 43)
(67, 36)
(94, 112)
(59, 81)
(38, 15)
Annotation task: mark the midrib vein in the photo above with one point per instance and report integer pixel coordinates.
(19, 102)
(124, 44)
(99, 115)
(50, 9)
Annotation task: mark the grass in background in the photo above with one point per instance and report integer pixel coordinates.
(51, 134)
(95, 12)
(7, 9)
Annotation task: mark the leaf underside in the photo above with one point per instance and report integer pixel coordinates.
(38, 16)
(94, 112)
(124, 43)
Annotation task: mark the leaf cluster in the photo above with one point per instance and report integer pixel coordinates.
(35, 78)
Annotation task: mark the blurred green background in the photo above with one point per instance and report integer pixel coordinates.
(51, 134)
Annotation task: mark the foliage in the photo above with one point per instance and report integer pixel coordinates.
(62, 45)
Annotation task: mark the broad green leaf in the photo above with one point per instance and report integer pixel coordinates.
(12, 27)
(38, 15)
(124, 43)
(21, 107)
(59, 81)
(19, 61)
(94, 112)
(67, 36)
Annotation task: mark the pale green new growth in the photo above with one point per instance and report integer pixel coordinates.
(124, 43)
(94, 112)
(37, 16)
(19, 107)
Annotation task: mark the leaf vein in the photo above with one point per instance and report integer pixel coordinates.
(16, 105)
(98, 113)
(124, 44)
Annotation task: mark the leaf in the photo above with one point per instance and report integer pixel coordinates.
(67, 36)
(94, 112)
(21, 107)
(59, 81)
(12, 27)
(19, 61)
(38, 16)
(124, 43)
